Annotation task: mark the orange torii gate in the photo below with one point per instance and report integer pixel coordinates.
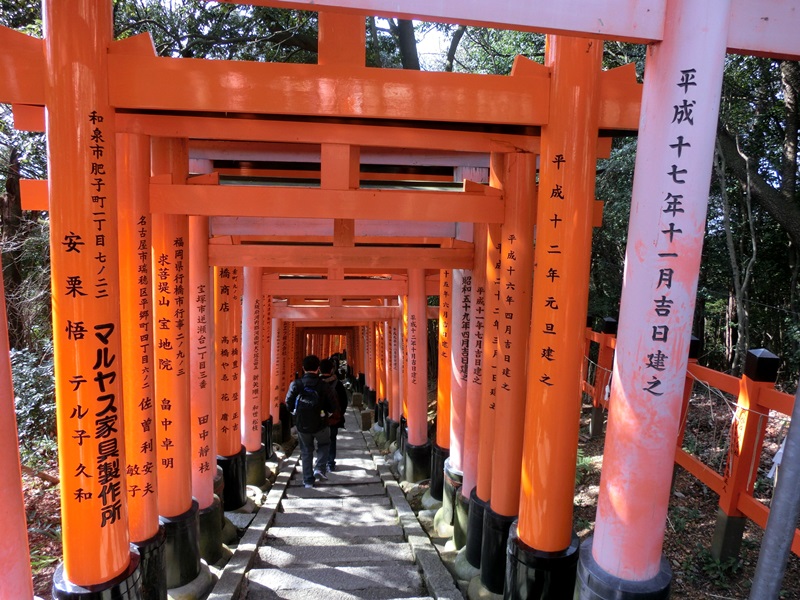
(88, 107)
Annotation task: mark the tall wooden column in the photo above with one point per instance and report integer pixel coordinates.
(136, 319)
(250, 383)
(680, 105)
(80, 127)
(481, 493)
(516, 263)
(441, 446)
(231, 454)
(14, 552)
(472, 406)
(560, 292)
(418, 449)
(201, 390)
(170, 255)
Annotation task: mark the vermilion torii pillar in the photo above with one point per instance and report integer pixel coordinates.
(266, 377)
(417, 450)
(80, 127)
(680, 106)
(136, 319)
(544, 545)
(481, 493)
(170, 256)
(518, 181)
(441, 446)
(474, 387)
(14, 553)
(250, 390)
(201, 390)
(227, 324)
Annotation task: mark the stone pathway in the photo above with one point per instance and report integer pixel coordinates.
(353, 536)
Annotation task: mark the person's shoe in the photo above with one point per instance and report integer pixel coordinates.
(308, 485)
(320, 475)
(331, 467)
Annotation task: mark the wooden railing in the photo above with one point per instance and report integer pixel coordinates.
(753, 402)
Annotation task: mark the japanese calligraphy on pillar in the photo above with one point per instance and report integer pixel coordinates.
(202, 461)
(478, 319)
(551, 237)
(412, 347)
(669, 243)
(255, 372)
(510, 328)
(227, 360)
(171, 350)
(494, 284)
(96, 409)
(464, 326)
(140, 466)
(445, 298)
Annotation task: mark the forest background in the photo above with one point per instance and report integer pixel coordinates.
(748, 288)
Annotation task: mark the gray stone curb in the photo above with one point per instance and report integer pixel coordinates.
(440, 582)
(229, 586)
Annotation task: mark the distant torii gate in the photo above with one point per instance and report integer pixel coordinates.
(94, 88)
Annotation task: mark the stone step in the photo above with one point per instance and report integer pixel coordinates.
(397, 580)
(334, 534)
(334, 491)
(356, 504)
(335, 517)
(321, 593)
(359, 554)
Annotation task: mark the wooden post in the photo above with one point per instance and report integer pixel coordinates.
(14, 553)
(250, 382)
(516, 264)
(80, 125)
(418, 449)
(441, 446)
(231, 453)
(680, 105)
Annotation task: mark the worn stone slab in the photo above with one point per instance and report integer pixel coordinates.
(367, 554)
(356, 503)
(334, 531)
(240, 520)
(332, 491)
(321, 593)
(319, 516)
(396, 577)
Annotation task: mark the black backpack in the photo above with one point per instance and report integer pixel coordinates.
(308, 413)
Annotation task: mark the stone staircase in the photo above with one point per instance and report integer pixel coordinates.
(353, 536)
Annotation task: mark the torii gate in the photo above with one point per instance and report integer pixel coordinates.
(679, 118)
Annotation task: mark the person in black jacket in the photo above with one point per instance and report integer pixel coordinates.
(312, 401)
(336, 421)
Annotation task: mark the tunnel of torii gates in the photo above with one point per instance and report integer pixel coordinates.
(211, 221)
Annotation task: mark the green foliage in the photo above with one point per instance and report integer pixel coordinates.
(492, 51)
(583, 467)
(34, 390)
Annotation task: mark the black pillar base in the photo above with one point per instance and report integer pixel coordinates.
(596, 584)
(388, 424)
(127, 586)
(153, 563)
(493, 549)
(460, 520)
(452, 483)
(537, 575)
(596, 423)
(475, 529)
(438, 456)
(234, 472)
(219, 490)
(182, 550)
(417, 460)
(277, 434)
(210, 519)
(403, 435)
(379, 413)
(256, 467)
(286, 422)
(266, 435)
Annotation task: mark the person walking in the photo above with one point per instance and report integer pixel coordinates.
(328, 372)
(311, 401)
